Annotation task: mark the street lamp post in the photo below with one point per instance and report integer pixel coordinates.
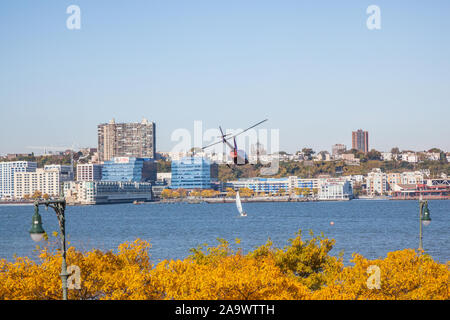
(424, 218)
(37, 233)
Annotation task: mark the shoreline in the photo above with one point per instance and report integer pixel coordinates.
(228, 200)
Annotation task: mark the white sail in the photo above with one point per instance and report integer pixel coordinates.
(238, 203)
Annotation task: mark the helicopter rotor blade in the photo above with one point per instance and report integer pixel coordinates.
(212, 144)
(229, 137)
(249, 128)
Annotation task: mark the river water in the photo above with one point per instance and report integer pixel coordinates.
(369, 227)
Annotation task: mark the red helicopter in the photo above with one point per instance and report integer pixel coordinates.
(239, 156)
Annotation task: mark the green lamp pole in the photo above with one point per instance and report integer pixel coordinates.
(37, 233)
(424, 218)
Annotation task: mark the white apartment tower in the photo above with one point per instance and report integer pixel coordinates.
(7, 173)
(47, 181)
(377, 182)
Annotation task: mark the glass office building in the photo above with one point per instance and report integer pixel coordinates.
(129, 169)
(191, 173)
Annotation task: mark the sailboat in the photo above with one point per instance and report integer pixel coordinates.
(239, 205)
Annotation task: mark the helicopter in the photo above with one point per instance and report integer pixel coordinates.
(239, 156)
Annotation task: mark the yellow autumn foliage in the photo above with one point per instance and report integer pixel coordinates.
(302, 270)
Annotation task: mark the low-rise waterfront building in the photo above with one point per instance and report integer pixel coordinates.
(424, 191)
(404, 178)
(106, 192)
(376, 182)
(273, 185)
(335, 190)
(413, 177)
(157, 189)
(266, 185)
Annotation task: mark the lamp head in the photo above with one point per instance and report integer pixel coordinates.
(37, 231)
(426, 219)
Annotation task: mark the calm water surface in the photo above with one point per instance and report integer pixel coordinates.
(369, 227)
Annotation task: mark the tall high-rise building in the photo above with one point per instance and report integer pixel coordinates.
(135, 139)
(360, 140)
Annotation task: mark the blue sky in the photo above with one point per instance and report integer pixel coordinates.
(311, 67)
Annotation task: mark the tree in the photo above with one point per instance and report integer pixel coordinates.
(195, 193)
(208, 193)
(163, 166)
(395, 150)
(246, 192)
(182, 192)
(308, 152)
(37, 195)
(374, 155)
(166, 194)
(302, 270)
(176, 194)
(230, 192)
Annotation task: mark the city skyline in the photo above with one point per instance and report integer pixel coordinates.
(54, 149)
(317, 74)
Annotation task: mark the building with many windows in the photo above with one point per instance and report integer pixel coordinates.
(89, 172)
(410, 157)
(335, 190)
(106, 192)
(7, 173)
(46, 181)
(273, 185)
(129, 169)
(376, 182)
(328, 188)
(193, 173)
(360, 140)
(65, 171)
(338, 149)
(266, 185)
(126, 140)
